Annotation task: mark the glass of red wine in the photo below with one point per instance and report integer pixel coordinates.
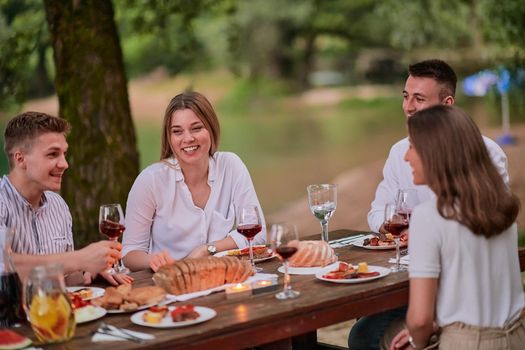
(249, 225)
(285, 241)
(111, 224)
(395, 223)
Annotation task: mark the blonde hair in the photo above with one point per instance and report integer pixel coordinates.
(459, 170)
(204, 111)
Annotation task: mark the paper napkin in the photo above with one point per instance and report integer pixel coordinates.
(251, 279)
(403, 261)
(100, 337)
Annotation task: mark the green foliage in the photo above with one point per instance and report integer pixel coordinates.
(521, 238)
(162, 33)
(415, 24)
(22, 30)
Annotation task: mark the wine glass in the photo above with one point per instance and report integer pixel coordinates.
(323, 201)
(395, 223)
(249, 225)
(406, 201)
(285, 241)
(111, 224)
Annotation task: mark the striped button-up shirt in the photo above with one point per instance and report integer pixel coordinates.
(46, 230)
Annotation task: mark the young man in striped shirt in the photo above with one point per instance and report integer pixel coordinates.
(35, 145)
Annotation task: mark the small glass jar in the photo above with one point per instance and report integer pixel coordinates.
(48, 308)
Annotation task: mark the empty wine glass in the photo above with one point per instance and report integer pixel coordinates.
(111, 224)
(323, 201)
(285, 241)
(406, 201)
(249, 225)
(395, 224)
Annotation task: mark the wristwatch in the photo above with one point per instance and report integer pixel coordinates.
(211, 249)
(411, 342)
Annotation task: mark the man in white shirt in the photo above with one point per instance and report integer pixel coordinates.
(429, 83)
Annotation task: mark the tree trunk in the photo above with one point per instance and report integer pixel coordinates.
(92, 93)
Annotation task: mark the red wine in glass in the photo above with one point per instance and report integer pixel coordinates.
(111, 224)
(111, 229)
(249, 231)
(396, 228)
(11, 310)
(286, 252)
(249, 225)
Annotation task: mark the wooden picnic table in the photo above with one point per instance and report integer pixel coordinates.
(261, 319)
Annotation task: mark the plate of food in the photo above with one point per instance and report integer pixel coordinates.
(124, 298)
(173, 316)
(89, 313)
(381, 241)
(347, 273)
(260, 253)
(86, 293)
(307, 270)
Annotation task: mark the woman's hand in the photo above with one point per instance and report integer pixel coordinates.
(198, 252)
(159, 259)
(117, 279)
(400, 341)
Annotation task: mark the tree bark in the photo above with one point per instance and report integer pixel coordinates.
(92, 92)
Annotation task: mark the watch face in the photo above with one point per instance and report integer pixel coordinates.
(212, 249)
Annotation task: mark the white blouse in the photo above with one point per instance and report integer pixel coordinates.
(161, 215)
(479, 278)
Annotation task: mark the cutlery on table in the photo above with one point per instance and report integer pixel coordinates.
(107, 329)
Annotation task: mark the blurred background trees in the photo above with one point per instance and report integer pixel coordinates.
(259, 61)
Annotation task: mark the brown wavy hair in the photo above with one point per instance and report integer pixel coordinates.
(200, 105)
(459, 170)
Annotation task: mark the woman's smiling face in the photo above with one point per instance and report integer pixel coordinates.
(189, 138)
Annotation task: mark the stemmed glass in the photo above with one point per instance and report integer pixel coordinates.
(323, 201)
(406, 201)
(395, 223)
(111, 224)
(249, 225)
(284, 242)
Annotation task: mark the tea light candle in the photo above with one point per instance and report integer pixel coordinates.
(238, 290)
(264, 286)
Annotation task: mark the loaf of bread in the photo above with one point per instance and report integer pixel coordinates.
(311, 254)
(193, 275)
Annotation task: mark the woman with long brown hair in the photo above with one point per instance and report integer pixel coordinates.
(185, 205)
(464, 268)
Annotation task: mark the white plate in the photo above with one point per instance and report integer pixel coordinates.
(308, 270)
(359, 243)
(89, 313)
(383, 271)
(96, 292)
(225, 253)
(204, 312)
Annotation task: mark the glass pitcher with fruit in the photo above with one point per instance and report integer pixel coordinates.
(48, 308)
(11, 310)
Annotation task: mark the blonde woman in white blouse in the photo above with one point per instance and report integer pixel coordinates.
(185, 205)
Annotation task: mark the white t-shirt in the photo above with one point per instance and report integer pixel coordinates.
(479, 278)
(397, 174)
(161, 215)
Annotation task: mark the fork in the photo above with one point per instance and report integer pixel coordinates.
(105, 328)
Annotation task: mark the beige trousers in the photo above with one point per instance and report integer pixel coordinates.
(459, 336)
(463, 337)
